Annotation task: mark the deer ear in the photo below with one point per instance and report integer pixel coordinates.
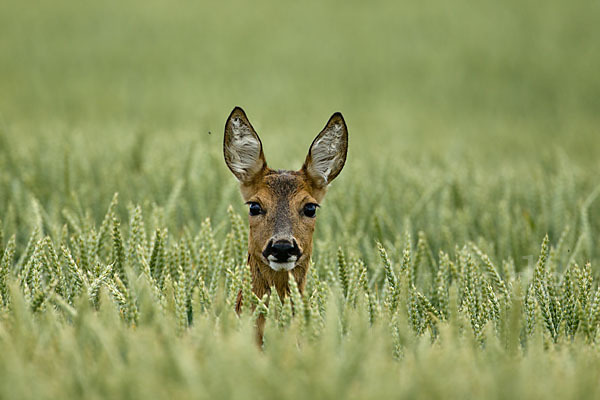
(242, 147)
(327, 154)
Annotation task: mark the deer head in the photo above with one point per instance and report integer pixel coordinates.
(282, 204)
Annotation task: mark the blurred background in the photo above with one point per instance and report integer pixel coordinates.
(433, 69)
(446, 103)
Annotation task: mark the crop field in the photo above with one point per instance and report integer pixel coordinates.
(456, 256)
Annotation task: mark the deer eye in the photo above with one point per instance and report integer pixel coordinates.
(255, 209)
(310, 210)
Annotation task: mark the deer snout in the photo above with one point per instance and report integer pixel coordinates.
(282, 251)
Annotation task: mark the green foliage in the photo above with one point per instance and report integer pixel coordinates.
(566, 300)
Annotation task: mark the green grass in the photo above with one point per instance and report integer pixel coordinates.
(473, 135)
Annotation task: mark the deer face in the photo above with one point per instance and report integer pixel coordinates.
(282, 204)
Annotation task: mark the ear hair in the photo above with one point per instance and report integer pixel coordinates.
(327, 154)
(242, 147)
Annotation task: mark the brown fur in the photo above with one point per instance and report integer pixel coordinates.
(282, 195)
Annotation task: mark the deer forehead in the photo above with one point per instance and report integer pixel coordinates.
(281, 187)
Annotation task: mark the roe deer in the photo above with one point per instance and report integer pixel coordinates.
(282, 204)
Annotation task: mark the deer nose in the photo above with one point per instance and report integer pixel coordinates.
(282, 250)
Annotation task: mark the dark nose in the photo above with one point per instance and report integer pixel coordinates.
(282, 250)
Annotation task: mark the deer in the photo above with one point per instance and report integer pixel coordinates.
(282, 204)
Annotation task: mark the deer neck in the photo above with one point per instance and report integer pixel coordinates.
(264, 278)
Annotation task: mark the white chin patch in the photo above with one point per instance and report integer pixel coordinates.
(282, 266)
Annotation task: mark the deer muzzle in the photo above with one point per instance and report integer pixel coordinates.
(282, 254)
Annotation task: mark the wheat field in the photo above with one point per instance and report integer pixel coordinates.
(456, 256)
